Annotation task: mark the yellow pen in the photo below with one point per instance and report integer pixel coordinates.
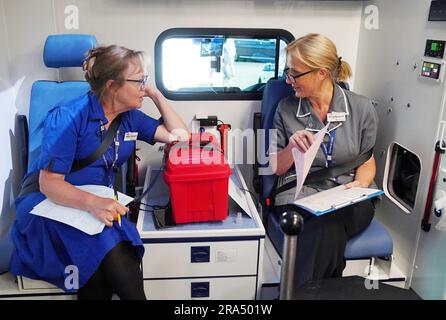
(117, 200)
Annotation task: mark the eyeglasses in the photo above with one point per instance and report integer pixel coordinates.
(142, 82)
(292, 78)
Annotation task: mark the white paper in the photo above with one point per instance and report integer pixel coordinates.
(335, 198)
(77, 218)
(238, 196)
(303, 161)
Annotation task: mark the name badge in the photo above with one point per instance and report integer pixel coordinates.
(130, 136)
(336, 116)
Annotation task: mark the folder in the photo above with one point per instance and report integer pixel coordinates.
(336, 198)
(78, 218)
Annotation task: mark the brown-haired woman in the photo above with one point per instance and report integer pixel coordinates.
(314, 71)
(108, 262)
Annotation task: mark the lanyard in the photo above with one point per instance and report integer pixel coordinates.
(327, 149)
(109, 168)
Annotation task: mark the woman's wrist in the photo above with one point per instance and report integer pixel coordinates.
(89, 202)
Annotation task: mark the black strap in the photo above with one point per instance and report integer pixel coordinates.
(324, 174)
(79, 164)
(31, 183)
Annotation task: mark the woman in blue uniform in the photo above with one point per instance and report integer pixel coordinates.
(108, 262)
(314, 70)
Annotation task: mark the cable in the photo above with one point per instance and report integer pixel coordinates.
(138, 199)
(154, 207)
(258, 205)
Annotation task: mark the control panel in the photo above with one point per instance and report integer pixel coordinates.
(432, 63)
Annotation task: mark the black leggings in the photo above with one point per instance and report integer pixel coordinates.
(119, 272)
(321, 245)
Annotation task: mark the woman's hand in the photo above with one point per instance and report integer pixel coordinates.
(173, 128)
(301, 139)
(106, 210)
(364, 174)
(355, 183)
(151, 91)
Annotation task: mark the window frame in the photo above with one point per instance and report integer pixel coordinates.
(390, 175)
(248, 33)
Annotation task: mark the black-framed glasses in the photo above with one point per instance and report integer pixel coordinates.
(292, 78)
(142, 82)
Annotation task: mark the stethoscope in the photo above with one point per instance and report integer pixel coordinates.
(327, 149)
(116, 155)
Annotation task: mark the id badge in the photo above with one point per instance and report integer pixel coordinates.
(336, 117)
(130, 136)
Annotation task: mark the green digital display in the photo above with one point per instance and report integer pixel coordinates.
(435, 46)
(434, 49)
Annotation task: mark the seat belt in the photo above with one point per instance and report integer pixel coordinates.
(321, 175)
(31, 183)
(80, 164)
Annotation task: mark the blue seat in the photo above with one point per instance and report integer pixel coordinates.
(60, 51)
(374, 241)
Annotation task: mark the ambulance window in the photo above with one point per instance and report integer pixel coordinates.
(218, 64)
(403, 175)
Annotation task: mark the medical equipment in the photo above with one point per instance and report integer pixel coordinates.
(198, 176)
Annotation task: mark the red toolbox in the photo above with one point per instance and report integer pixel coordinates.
(197, 174)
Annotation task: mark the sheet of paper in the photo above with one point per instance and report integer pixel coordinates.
(303, 161)
(77, 218)
(335, 198)
(238, 196)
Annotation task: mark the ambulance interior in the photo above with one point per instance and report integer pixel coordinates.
(220, 64)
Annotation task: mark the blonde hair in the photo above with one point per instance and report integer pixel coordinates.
(109, 63)
(317, 51)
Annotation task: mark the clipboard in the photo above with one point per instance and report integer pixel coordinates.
(336, 198)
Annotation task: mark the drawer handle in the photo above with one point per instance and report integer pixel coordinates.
(199, 289)
(200, 254)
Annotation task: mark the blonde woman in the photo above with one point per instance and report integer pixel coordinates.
(314, 70)
(108, 262)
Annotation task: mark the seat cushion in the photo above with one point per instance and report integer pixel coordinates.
(374, 241)
(44, 96)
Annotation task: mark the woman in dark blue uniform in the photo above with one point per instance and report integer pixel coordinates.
(107, 262)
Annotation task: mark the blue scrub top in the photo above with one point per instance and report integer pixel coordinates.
(72, 132)
(44, 247)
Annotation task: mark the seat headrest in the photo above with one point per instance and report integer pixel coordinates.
(67, 50)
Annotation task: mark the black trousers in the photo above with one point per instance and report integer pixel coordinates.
(120, 273)
(321, 245)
